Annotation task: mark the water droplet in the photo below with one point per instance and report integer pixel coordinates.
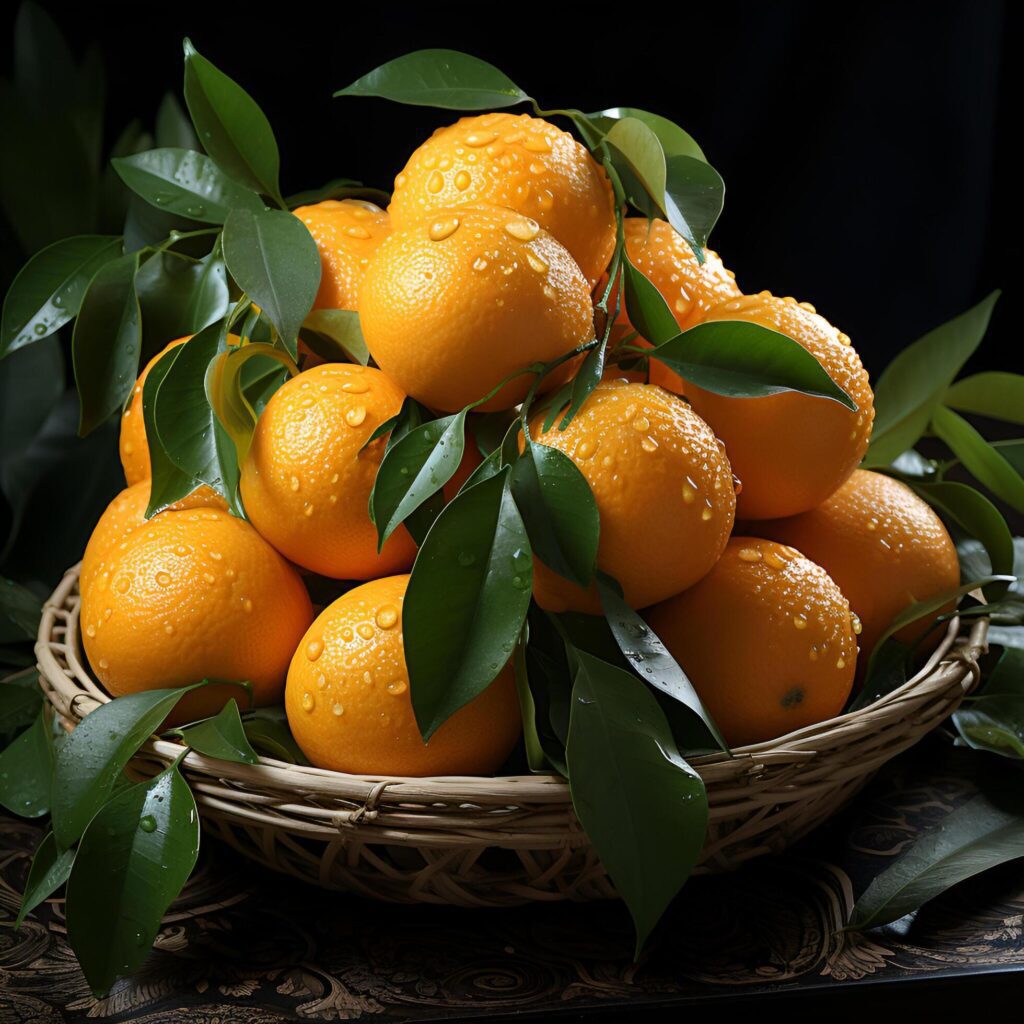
(356, 231)
(537, 144)
(840, 663)
(774, 560)
(346, 634)
(169, 629)
(90, 630)
(387, 616)
(104, 664)
(123, 585)
(466, 559)
(479, 263)
(800, 621)
(397, 686)
(209, 577)
(705, 514)
(435, 183)
(147, 824)
(246, 605)
(337, 710)
(856, 624)
(462, 180)
(321, 681)
(524, 228)
(520, 582)
(521, 560)
(355, 415)
(354, 387)
(365, 631)
(314, 649)
(308, 701)
(536, 263)
(307, 510)
(689, 493)
(749, 555)
(649, 444)
(443, 228)
(641, 423)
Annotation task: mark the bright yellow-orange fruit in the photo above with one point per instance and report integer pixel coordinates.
(347, 232)
(349, 706)
(127, 513)
(133, 446)
(791, 451)
(520, 162)
(663, 488)
(307, 478)
(691, 289)
(884, 547)
(767, 639)
(453, 304)
(193, 595)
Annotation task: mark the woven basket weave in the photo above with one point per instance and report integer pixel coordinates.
(507, 840)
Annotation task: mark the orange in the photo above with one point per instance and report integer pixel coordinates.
(884, 547)
(349, 706)
(521, 162)
(691, 289)
(767, 639)
(306, 480)
(663, 488)
(124, 515)
(195, 594)
(347, 232)
(791, 451)
(133, 446)
(452, 305)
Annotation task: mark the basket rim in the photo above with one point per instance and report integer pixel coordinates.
(80, 694)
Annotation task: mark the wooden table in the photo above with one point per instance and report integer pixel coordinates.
(245, 945)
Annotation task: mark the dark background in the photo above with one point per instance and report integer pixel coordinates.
(865, 147)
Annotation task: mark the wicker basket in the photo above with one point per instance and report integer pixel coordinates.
(508, 840)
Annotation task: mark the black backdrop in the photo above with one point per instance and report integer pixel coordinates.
(865, 147)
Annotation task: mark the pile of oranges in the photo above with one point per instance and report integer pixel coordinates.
(757, 551)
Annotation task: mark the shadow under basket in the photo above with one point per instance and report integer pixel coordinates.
(491, 842)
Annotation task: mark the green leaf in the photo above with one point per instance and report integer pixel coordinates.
(674, 141)
(913, 384)
(132, 862)
(993, 718)
(20, 611)
(107, 342)
(694, 196)
(44, 69)
(275, 261)
(222, 736)
(535, 756)
(91, 759)
(343, 335)
(415, 468)
(466, 601)
(878, 677)
(231, 126)
(559, 511)
(995, 394)
(168, 483)
(50, 869)
(640, 803)
(173, 127)
(48, 290)
(975, 563)
(186, 424)
(638, 151)
(267, 730)
(977, 516)
(186, 183)
(180, 296)
(745, 360)
(979, 458)
(20, 701)
(653, 663)
(439, 78)
(647, 310)
(588, 376)
(26, 768)
(986, 831)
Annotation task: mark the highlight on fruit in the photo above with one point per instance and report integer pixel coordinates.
(432, 465)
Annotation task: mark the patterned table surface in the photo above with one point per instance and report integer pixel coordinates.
(245, 945)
